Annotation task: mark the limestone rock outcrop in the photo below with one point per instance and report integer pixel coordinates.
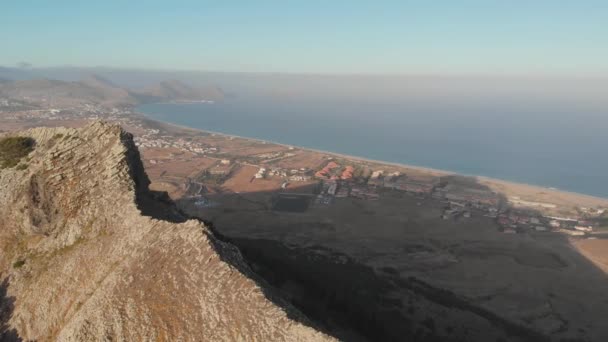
(88, 253)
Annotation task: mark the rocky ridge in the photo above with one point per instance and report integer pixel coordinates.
(89, 253)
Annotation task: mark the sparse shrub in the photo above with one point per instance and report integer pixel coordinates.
(21, 167)
(13, 149)
(58, 136)
(19, 263)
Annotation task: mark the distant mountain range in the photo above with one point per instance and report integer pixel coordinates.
(55, 92)
(95, 89)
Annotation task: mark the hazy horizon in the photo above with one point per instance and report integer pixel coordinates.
(314, 37)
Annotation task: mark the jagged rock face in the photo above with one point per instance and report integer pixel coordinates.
(82, 263)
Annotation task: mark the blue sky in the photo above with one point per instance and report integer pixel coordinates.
(384, 37)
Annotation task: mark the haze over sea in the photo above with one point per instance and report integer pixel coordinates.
(530, 141)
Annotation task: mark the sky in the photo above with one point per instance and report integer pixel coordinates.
(343, 37)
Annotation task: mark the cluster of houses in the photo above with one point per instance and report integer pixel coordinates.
(341, 182)
(293, 175)
(516, 221)
(220, 169)
(327, 172)
(299, 175)
(462, 199)
(149, 140)
(260, 174)
(340, 189)
(418, 184)
(511, 217)
(367, 183)
(151, 137)
(333, 171)
(376, 178)
(347, 174)
(277, 172)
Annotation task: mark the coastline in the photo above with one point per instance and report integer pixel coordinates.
(336, 154)
(437, 172)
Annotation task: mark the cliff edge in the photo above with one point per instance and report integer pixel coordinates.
(89, 253)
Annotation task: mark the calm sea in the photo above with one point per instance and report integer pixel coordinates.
(532, 145)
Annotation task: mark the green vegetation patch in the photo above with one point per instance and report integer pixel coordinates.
(215, 179)
(19, 263)
(13, 149)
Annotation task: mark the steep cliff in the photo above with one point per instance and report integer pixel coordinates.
(89, 253)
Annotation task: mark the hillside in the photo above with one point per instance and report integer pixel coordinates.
(89, 254)
(108, 90)
(62, 93)
(94, 89)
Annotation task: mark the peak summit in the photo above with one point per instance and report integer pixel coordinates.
(83, 261)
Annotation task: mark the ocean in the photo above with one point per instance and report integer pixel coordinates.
(527, 144)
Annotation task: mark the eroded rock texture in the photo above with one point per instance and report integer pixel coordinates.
(88, 253)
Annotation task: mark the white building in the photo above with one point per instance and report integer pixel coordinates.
(260, 174)
(377, 174)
